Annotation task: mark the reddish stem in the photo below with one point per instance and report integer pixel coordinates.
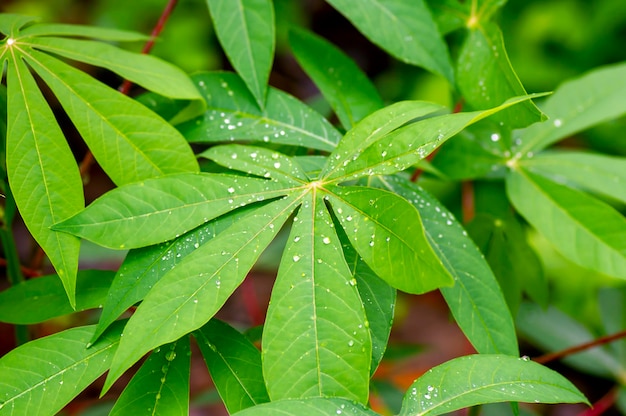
(467, 201)
(543, 359)
(251, 302)
(25, 270)
(605, 403)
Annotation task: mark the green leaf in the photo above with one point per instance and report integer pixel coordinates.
(38, 300)
(475, 300)
(161, 386)
(129, 142)
(612, 304)
(404, 29)
(10, 23)
(42, 172)
(315, 339)
(147, 71)
(585, 230)
(315, 406)
(102, 33)
(397, 251)
(485, 378)
(42, 376)
(143, 267)
(551, 330)
(157, 210)
(347, 89)
(235, 365)
(258, 161)
(245, 29)
(233, 114)
(190, 294)
(485, 77)
(603, 174)
(577, 105)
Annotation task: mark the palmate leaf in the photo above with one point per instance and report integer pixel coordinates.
(46, 189)
(486, 378)
(315, 406)
(586, 230)
(130, 142)
(145, 70)
(397, 251)
(38, 300)
(232, 113)
(102, 33)
(157, 210)
(245, 29)
(342, 83)
(235, 365)
(485, 77)
(576, 105)
(315, 339)
(10, 23)
(42, 376)
(161, 386)
(475, 300)
(404, 29)
(189, 295)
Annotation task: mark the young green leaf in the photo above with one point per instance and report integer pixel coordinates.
(475, 300)
(233, 114)
(161, 386)
(586, 230)
(577, 105)
(102, 33)
(189, 295)
(342, 83)
(42, 172)
(404, 29)
(245, 29)
(10, 24)
(157, 210)
(485, 378)
(38, 300)
(129, 142)
(145, 70)
(485, 77)
(315, 339)
(603, 174)
(314, 406)
(42, 376)
(143, 267)
(258, 161)
(397, 251)
(235, 365)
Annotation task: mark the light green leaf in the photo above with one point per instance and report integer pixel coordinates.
(245, 29)
(157, 210)
(404, 29)
(129, 142)
(485, 378)
(190, 294)
(235, 365)
(143, 267)
(603, 174)
(585, 230)
(347, 89)
(10, 23)
(37, 300)
(42, 172)
(145, 70)
(161, 386)
(315, 339)
(397, 251)
(315, 406)
(102, 33)
(475, 300)
(551, 330)
(233, 114)
(578, 104)
(42, 376)
(258, 161)
(485, 77)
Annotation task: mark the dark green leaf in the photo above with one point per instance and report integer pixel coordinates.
(235, 365)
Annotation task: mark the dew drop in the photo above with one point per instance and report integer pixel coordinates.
(558, 122)
(350, 343)
(296, 258)
(277, 165)
(495, 137)
(326, 240)
(231, 190)
(349, 218)
(170, 356)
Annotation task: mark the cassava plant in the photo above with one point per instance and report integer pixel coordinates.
(357, 224)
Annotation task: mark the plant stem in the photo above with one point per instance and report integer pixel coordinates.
(543, 359)
(467, 201)
(605, 403)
